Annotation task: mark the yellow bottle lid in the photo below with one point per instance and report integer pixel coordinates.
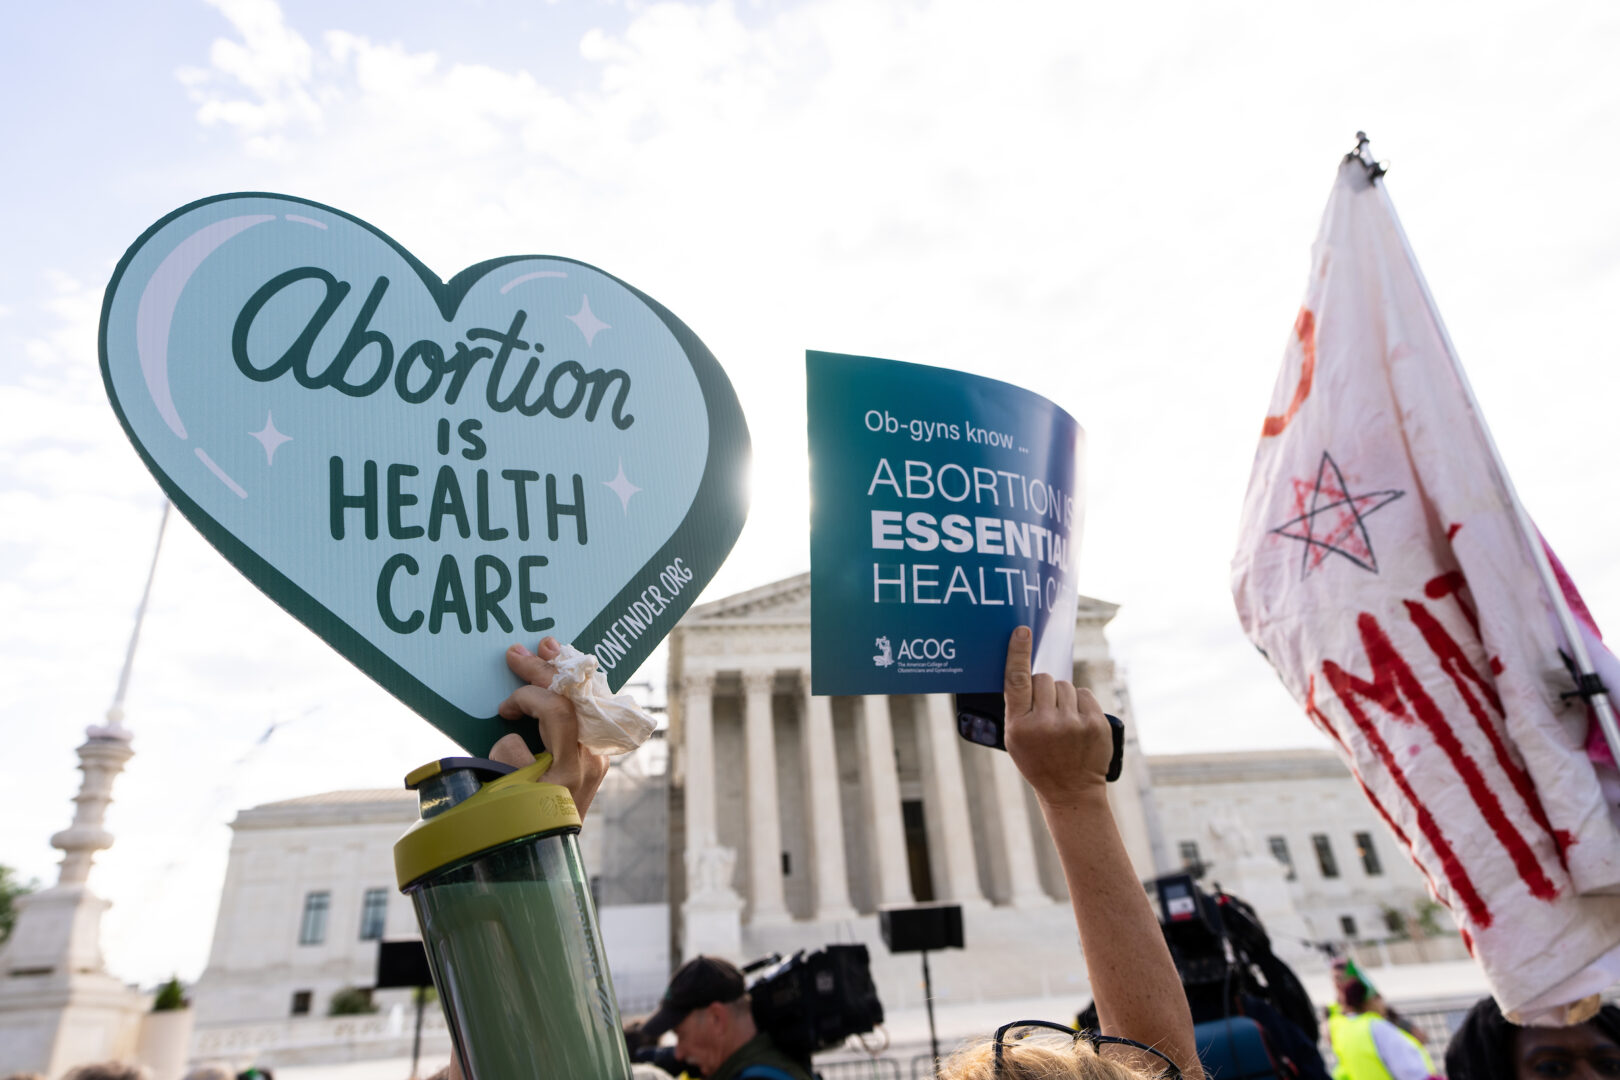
(510, 808)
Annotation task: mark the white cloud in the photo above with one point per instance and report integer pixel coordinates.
(272, 63)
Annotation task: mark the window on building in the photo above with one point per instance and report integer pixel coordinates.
(1189, 855)
(1394, 921)
(1324, 856)
(1280, 852)
(312, 930)
(1369, 854)
(1348, 925)
(301, 1001)
(373, 913)
(787, 864)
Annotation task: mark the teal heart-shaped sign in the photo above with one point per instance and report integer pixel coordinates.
(424, 471)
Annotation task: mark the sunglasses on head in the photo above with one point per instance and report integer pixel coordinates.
(1095, 1038)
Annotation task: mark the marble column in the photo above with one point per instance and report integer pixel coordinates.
(764, 809)
(890, 868)
(1017, 837)
(945, 799)
(825, 808)
(697, 719)
(711, 912)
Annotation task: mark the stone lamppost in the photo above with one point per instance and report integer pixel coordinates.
(58, 1005)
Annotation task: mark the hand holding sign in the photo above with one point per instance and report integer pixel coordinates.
(945, 510)
(572, 766)
(1057, 734)
(418, 469)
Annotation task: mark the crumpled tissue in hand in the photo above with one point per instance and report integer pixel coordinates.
(609, 723)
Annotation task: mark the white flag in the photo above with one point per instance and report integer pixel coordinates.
(1382, 572)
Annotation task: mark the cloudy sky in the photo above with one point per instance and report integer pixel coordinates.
(1111, 204)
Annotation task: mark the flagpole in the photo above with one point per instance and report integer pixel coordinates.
(1589, 685)
(115, 715)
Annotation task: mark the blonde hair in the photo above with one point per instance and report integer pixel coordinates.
(1037, 1060)
(109, 1070)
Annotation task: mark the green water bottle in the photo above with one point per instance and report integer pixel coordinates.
(494, 872)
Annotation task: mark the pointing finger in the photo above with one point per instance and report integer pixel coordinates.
(1016, 688)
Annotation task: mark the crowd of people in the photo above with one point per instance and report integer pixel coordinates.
(1370, 1042)
(1059, 739)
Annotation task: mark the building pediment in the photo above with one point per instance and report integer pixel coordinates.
(785, 602)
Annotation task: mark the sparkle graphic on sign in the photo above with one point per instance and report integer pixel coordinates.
(586, 320)
(622, 487)
(270, 439)
(1333, 521)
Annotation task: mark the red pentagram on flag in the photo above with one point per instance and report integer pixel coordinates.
(1333, 521)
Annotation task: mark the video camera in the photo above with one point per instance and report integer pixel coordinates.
(810, 1001)
(814, 1000)
(1222, 954)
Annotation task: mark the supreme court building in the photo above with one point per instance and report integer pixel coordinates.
(794, 818)
(764, 820)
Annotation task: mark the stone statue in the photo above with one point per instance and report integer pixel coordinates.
(712, 911)
(709, 870)
(1232, 837)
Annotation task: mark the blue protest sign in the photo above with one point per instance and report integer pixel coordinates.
(423, 471)
(945, 510)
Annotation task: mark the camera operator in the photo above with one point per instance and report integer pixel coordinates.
(708, 1009)
(1060, 741)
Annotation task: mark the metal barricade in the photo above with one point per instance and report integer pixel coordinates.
(871, 1069)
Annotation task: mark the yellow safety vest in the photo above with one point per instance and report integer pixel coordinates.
(1353, 1045)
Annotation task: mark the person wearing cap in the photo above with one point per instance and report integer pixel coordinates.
(708, 1008)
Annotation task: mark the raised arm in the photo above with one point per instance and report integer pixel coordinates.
(1060, 740)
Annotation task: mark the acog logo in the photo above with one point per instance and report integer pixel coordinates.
(927, 649)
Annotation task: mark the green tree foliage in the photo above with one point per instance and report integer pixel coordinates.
(1395, 922)
(351, 1001)
(1429, 918)
(171, 995)
(12, 888)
